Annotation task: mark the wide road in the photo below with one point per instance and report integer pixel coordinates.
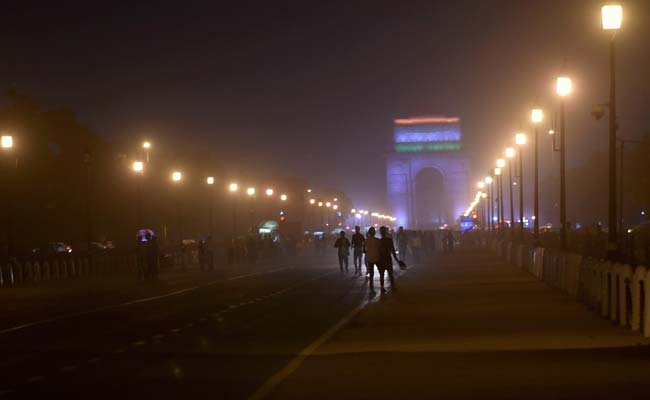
(189, 335)
(461, 326)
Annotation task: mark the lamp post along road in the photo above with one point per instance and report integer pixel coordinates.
(612, 16)
(536, 116)
(563, 89)
(510, 154)
(520, 140)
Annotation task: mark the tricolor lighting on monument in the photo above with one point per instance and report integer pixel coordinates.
(424, 134)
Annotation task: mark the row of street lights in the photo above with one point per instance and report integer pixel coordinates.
(177, 177)
(612, 15)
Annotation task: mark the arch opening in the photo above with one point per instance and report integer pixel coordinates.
(429, 199)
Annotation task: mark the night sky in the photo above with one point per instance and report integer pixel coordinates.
(310, 88)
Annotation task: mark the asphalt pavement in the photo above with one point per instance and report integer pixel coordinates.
(460, 326)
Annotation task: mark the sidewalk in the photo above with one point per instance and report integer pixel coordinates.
(470, 326)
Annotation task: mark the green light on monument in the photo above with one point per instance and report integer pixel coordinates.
(427, 146)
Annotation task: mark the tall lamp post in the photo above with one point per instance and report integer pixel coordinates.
(177, 176)
(233, 188)
(7, 145)
(536, 116)
(138, 168)
(250, 191)
(484, 198)
(563, 89)
(490, 199)
(497, 198)
(501, 163)
(510, 154)
(146, 146)
(520, 140)
(481, 186)
(612, 17)
(210, 182)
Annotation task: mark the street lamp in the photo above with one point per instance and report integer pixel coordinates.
(177, 176)
(7, 142)
(138, 168)
(283, 197)
(269, 192)
(250, 191)
(234, 189)
(497, 174)
(520, 140)
(510, 153)
(490, 190)
(536, 116)
(563, 89)
(612, 18)
(210, 182)
(312, 201)
(328, 204)
(146, 145)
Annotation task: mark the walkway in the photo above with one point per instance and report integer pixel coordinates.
(470, 326)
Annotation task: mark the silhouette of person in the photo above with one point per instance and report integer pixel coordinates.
(386, 250)
(343, 246)
(358, 242)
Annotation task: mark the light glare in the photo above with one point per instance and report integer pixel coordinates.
(138, 166)
(521, 139)
(563, 86)
(510, 152)
(501, 163)
(612, 16)
(7, 141)
(177, 176)
(536, 115)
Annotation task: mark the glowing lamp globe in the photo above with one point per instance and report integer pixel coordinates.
(7, 141)
(138, 166)
(563, 86)
(521, 139)
(612, 16)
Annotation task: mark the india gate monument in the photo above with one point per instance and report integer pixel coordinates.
(427, 172)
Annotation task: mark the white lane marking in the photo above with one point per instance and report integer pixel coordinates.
(138, 343)
(158, 336)
(117, 351)
(132, 302)
(269, 386)
(175, 330)
(94, 360)
(36, 378)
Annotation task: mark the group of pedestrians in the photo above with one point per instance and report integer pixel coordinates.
(380, 253)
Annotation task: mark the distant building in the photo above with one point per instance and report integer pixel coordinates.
(427, 172)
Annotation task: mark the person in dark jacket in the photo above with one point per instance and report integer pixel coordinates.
(343, 246)
(386, 255)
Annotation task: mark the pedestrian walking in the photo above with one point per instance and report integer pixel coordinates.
(386, 255)
(358, 242)
(343, 246)
(372, 257)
